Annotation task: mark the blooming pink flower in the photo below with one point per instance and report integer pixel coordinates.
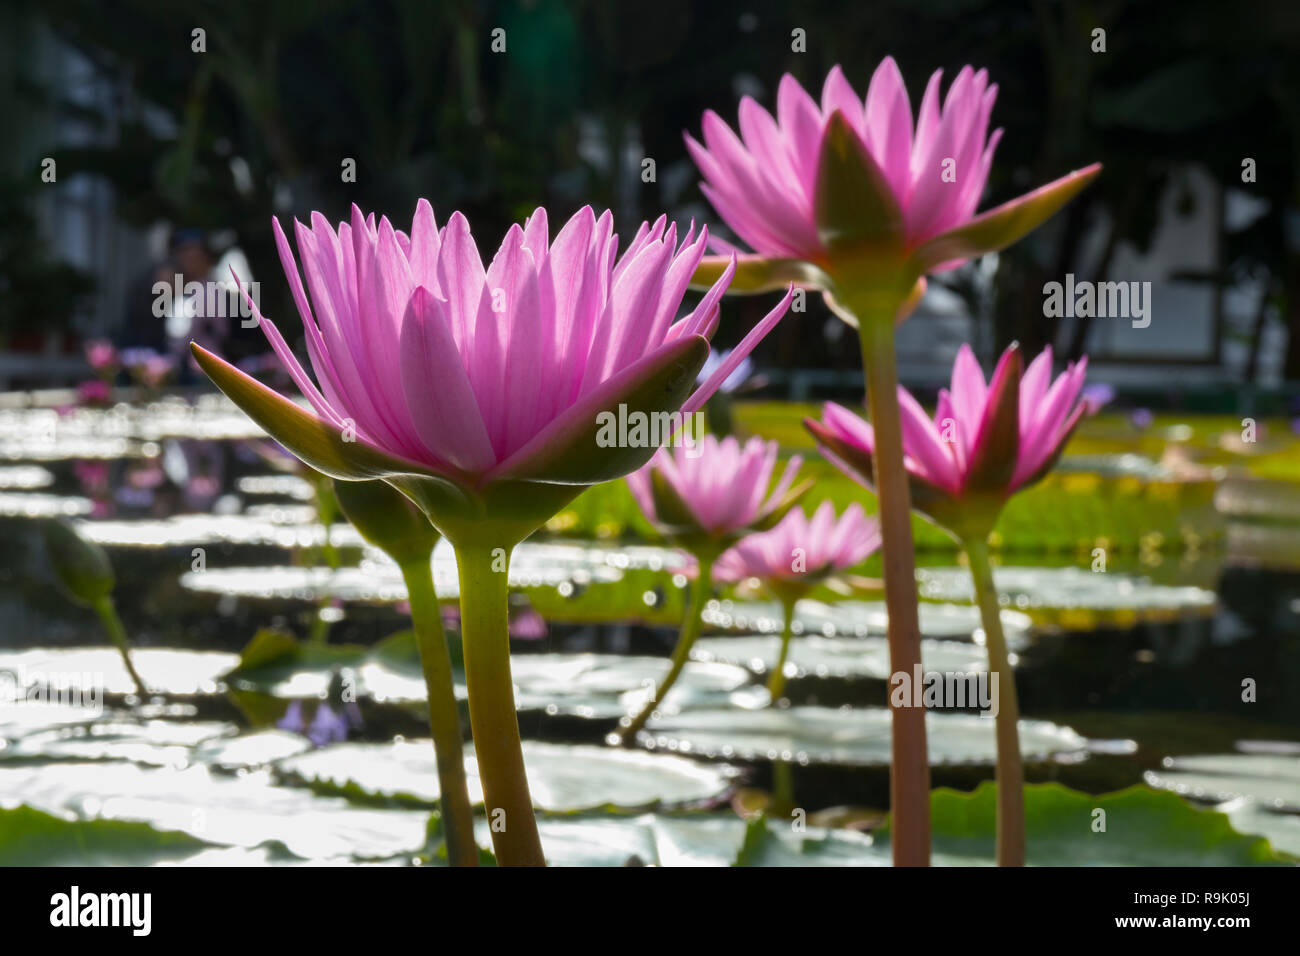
(912, 183)
(101, 355)
(717, 488)
(986, 441)
(800, 549)
(156, 370)
(430, 364)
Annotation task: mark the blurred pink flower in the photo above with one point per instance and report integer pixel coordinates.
(102, 355)
(802, 549)
(717, 488)
(94, 392)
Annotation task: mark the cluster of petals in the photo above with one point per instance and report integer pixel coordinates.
(799, 548)
(763, 182)
(723, 483)
(942, 451)
(424, 353)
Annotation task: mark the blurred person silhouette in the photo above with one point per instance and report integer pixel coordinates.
(190, 296)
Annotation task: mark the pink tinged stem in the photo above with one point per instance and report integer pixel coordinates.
(910, 771)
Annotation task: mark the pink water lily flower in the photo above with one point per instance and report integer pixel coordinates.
(801, 549)
(818, 178)
(428, 363)
(715, 488)
(986, 441)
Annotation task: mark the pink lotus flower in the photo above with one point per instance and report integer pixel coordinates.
(430, 365)
(799, 550)
(101, 355)
(822, 184)
(715, 489)
(986, 441)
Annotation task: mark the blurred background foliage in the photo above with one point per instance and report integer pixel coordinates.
(261, 122)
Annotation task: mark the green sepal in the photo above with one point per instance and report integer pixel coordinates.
(82, 566)
(568, 451)
(855, 208)
(1001, 226)
(755, 274)
(387, 519)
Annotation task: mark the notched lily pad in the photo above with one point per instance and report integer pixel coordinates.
(1272, 780)
(563, 778)
(834, 657)
(855, 619)
(87, 670)
(1143, 827)
(1072, 597)
(855, 737)
(230, 811)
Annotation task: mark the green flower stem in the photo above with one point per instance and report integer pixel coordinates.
(485, 636)
(107, 613)
(1010, 769)
(681, 652)
(782, 787)
(444, 718)
(776, 680)
(909, 788)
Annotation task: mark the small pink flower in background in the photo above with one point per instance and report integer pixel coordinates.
(802, 549)
(717, 488)
(94, 392)
(864, 170)
(102, 356)
(986, 441)
(93, 475)
(526, 623)
(156, 370)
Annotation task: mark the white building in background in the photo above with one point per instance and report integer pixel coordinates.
(1185, 313)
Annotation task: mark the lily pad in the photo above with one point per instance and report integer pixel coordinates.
(609, 686)
(255, 749)
(1272, 780)
(823, 735)
(563, 778)
(277, 664)
(168, 671)
(35, 504)
(694, 840)
(1282, 830)
(241, 811)
(18, 717)
(532, 564)
(1143, 827)
(834, 657)
(161, 743)
(1072, 597)
(274, 527)
(855, 619)
(24, 477)
(29, 837)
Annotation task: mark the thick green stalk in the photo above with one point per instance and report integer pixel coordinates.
(776, 680)
(909, 788)
(107, 613)
(681, 652)
(1010, 769)
(485, 636)
(444, 718)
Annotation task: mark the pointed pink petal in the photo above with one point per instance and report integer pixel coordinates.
(437, 390)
